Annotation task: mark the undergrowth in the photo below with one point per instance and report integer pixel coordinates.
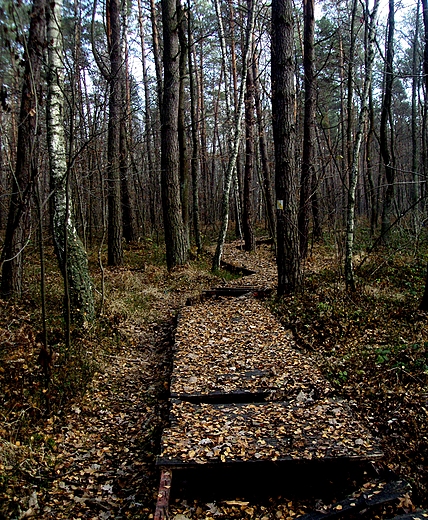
(373, 346)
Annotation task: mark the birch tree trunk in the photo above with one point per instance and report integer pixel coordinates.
(354, 166)
(72, 259)
(237, 131)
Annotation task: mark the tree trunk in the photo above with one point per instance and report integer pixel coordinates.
(386, 148)
(414, 192)
(424, 303)
(195, 141)
(18, 222)
(354, 166)
(307, 172)
(69, 249)
(182, 132)
(115, 224)
(237, 130)
(284, 135)
(127, 191)
(175, 239)
(370, 165)
(247, 217)
(156, 52)
(267, 187)
(149, 140)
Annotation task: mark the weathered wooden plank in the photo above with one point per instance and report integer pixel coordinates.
(237, 396)
(274, 431)
(162, 504)
(237, 269)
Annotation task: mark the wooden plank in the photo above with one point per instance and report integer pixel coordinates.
(237, 396)
(162, 504)
(271, 431)
(235, 269)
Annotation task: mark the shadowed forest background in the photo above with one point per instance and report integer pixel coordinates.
(137, 138)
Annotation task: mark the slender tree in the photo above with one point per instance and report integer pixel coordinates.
(355, 156)
(148, 120)
(237, 130)
(115, 224)
(264, 157)
(414, 192)
(195, 162)
(284, 135)
(307, 172)
(185, 181)
(385, 141)
(424, 302)
(247, 216)
(69, 249)
(125, 140)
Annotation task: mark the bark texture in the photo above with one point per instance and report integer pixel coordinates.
(424, 302)
(18, 221)
(247, 214)
(385, 142)
(175, 237)
(308, 126)
(115, 224)
(284, 135)
(69, 249)
(237, 130)
(354, 166)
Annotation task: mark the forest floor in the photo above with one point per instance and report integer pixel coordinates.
(83, 444)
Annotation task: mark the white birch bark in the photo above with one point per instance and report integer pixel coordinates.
(237, 131)
(354, 166)
(68, 247)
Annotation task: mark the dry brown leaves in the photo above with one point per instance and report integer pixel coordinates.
(105, 445)
(227, 345)
(264, 431)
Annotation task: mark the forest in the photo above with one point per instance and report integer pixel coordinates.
(137, 140)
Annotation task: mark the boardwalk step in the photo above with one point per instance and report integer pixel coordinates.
(224, 398)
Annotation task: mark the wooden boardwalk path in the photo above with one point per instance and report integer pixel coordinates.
(243, 395)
